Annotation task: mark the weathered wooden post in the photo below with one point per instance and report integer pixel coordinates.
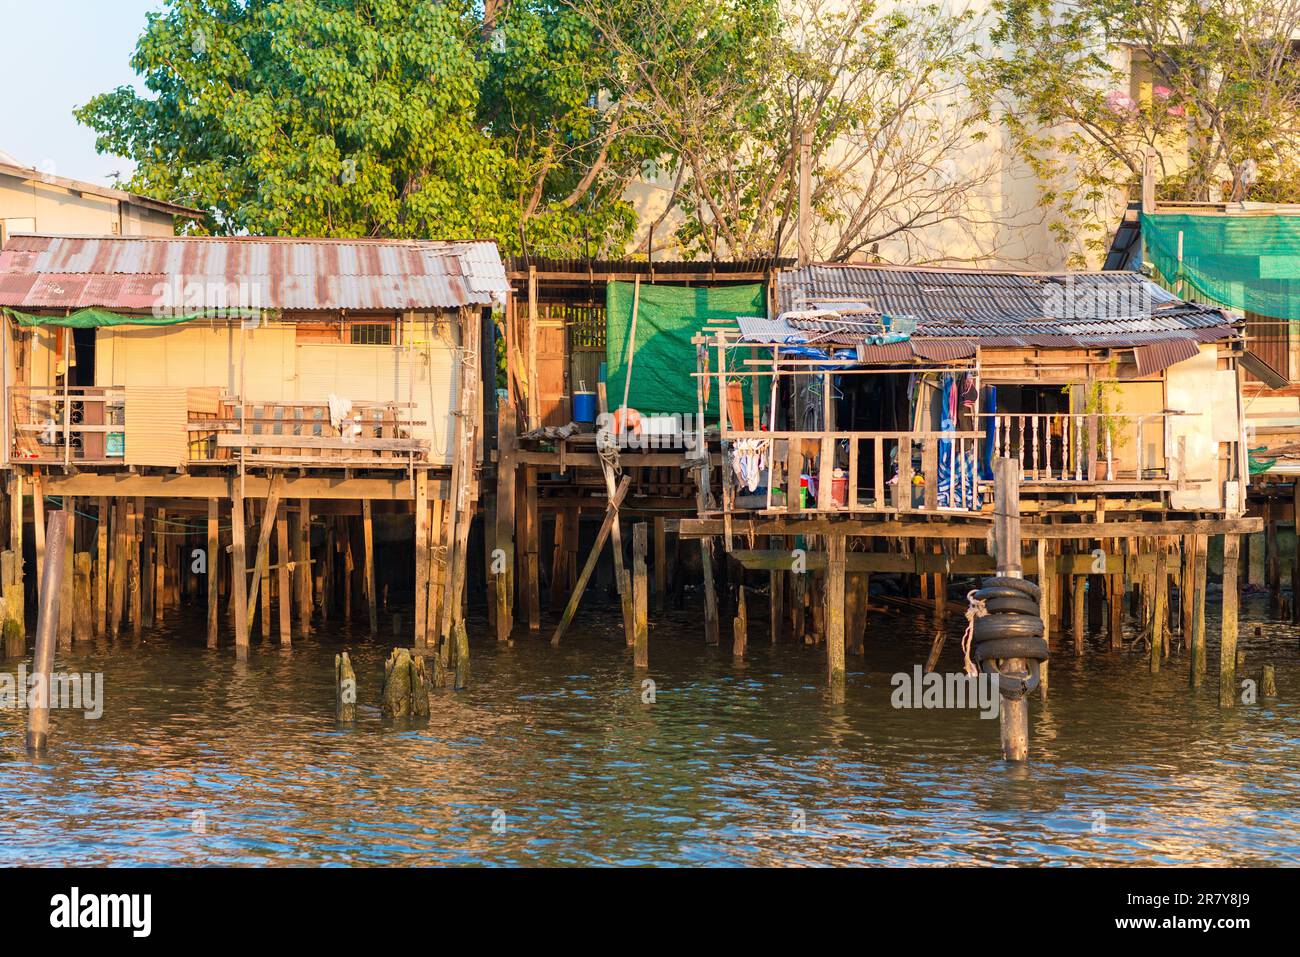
(1013, 714)
(740, 627)
(47, 621)
(1228, 641)
(405, 693)
(835, 569)
(640, 596)
(1268, 682)
(345, 689)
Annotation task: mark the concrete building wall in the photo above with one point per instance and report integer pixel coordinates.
(30, 205)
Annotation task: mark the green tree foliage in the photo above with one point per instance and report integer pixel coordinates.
(1087, 89)
(380, 118)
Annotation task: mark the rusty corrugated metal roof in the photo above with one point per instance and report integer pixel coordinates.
(133, 272)
(1015, 309)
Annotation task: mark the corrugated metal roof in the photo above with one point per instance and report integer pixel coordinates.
(134, 272)
(1036, 310)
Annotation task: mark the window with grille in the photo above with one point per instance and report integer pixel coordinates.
(371, 333)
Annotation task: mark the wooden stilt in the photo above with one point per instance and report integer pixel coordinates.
(263, 602)
(1273, 566)
(134, 570)
(661, 564)
(835, 569)
(38, 526)
(83, 605)
(284, 599)
(118, 559)
(239, 567)
(532, 533)
(1013, 713)
(423, 564)
(101, 567)
(1160, 615)
(706, 556)
(38, 716)
(1079, 608)
(67, 581)
(1115, 604)
(1228, 641)
(857, 587)
(368, 535)
(740, 626)
(1046, 575)
(776, 593)
(1186, 595)
(571, 609)
(262, 560)
(160, 548)
(559, 567)
(640, 596)
(1199, 581)
(302, 565)
(213, 567)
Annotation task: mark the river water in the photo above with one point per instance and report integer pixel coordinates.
(554, 757)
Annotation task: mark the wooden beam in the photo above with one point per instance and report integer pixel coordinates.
(396, 489)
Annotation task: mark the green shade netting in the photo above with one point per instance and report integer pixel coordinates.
(1248, 263)
(95, 318)
(667, 318)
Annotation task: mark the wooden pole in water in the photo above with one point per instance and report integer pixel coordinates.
(66, 581)
(238, 567)
(1197, 671)
(135, 536)
(285, 599)
(1079, 609)
(345, 689)
(118, 559)
(368, 535)
(640, 596)
(1228, 642)
(262, 560)
(101, 567)
(1013, 714)
(83, 606)
(38, 526)
(661, 564)
(302, 564)
(213, 566)
(38, 717)
(532, 561)
(740, 626)
(835, 569)
(1160, 618)
(1046, 574)
(775, 593)
(611, 512)
(1295, 557)
(423, 565)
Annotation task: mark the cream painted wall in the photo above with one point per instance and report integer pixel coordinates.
(30, 205)
(277, 368)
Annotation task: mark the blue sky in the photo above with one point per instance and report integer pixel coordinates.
(58, 54)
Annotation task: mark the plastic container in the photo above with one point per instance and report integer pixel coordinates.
(584, 407)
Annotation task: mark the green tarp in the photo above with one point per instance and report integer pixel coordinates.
(95, 318)
(667, 318)
(1248, 263)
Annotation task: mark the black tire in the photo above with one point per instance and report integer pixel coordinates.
(991, 627)
(1019, 605)
(1020, 584)
(985, 594)
(1029, 648)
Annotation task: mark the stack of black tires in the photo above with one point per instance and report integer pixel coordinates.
(1012, 628)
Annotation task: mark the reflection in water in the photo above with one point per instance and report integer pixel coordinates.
(202, 759)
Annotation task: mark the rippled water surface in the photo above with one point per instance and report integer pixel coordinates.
(749, 763)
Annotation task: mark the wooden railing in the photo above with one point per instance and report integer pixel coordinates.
(87, 425)
(1079, 447)
(887, 458)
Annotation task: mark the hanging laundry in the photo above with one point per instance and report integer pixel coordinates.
(749, 461)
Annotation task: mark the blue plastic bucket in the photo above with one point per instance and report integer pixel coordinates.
(584, 407)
